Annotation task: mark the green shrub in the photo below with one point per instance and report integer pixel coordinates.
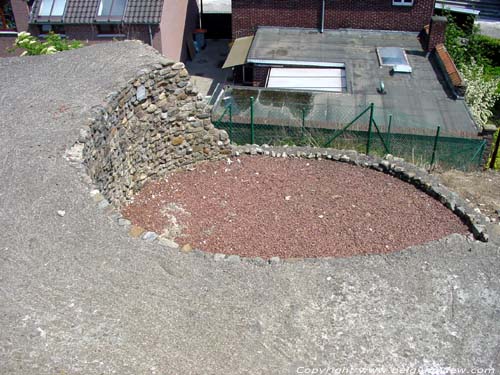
(52, 44)
(478, 58)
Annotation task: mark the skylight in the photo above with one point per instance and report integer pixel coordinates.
(392, 56)
(52, 8)
(112, 9)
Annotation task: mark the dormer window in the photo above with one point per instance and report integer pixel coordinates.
(111, 10)
(406, 3)
(52, 8)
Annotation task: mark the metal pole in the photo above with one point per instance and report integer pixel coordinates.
(252, 129)
(303, 121)
(368, 144)
(389, 135)
(231, 122)
(323, 16)
(201, 14)
(433, 158)
(494, 156)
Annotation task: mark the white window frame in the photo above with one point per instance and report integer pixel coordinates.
(403, 3)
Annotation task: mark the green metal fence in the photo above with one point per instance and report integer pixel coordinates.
(367, 131)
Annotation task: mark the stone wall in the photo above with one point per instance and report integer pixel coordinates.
(156, 123)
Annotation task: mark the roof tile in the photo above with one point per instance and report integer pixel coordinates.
(84, 11)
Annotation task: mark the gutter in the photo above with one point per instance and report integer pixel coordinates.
(322, 17)
(150, 35)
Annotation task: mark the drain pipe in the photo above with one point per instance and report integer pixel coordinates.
(150, 35)
(323, 17)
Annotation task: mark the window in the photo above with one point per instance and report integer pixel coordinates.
(47, 28)
(7, 22)
(109, 30)
(407, 3)
(111, 9)
(52, 8)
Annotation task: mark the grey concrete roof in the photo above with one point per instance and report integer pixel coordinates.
(78, 296)
(418, 100)
(85, 11)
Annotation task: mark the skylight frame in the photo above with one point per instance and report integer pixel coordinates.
(381, 57)
(52, 10)
(111, 14)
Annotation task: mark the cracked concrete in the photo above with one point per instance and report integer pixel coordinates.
(81, 297)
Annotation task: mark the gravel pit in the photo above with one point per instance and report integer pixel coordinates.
(262, 206)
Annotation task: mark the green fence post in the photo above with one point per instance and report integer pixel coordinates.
(368, 144)
(303, 121)
(433, 158)
(231, 121)
(496, 148)
(252, 129)
(389, 135)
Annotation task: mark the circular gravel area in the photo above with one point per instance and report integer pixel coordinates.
(261, 206)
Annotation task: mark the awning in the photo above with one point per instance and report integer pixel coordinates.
(456, 8)
(239, 52)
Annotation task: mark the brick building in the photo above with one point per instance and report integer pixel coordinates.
(14, 15)
(400, 15)
(280, 29)
(164, 24)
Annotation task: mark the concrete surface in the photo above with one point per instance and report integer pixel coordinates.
(80, 297)
(489, 27)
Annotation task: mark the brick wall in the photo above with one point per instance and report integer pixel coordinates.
(367, 14)
(6, 41)
(260, 75)
(21, 14)
(90, 34)
(437, 30)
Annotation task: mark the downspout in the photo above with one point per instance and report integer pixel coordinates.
(150, 35)
(323, 16)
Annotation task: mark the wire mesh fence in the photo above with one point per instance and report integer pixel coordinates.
(279, 121)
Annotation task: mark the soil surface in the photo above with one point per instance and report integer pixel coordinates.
(481, 188)
(258, 206)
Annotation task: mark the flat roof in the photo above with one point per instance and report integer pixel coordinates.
(420, 99)
(276, 45)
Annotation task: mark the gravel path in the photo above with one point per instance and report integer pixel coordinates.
(261, 206)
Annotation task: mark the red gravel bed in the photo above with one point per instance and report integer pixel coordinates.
(260, 206)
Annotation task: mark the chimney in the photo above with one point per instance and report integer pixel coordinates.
(437, 31)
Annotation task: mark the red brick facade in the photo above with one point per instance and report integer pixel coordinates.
(437, 31)
(21, 13)
(356, 14)
(90, 34)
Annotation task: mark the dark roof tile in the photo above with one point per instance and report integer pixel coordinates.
(84, 11)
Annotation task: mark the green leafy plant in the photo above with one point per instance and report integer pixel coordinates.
(481, 94)
(52, 44)
(478, 59)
